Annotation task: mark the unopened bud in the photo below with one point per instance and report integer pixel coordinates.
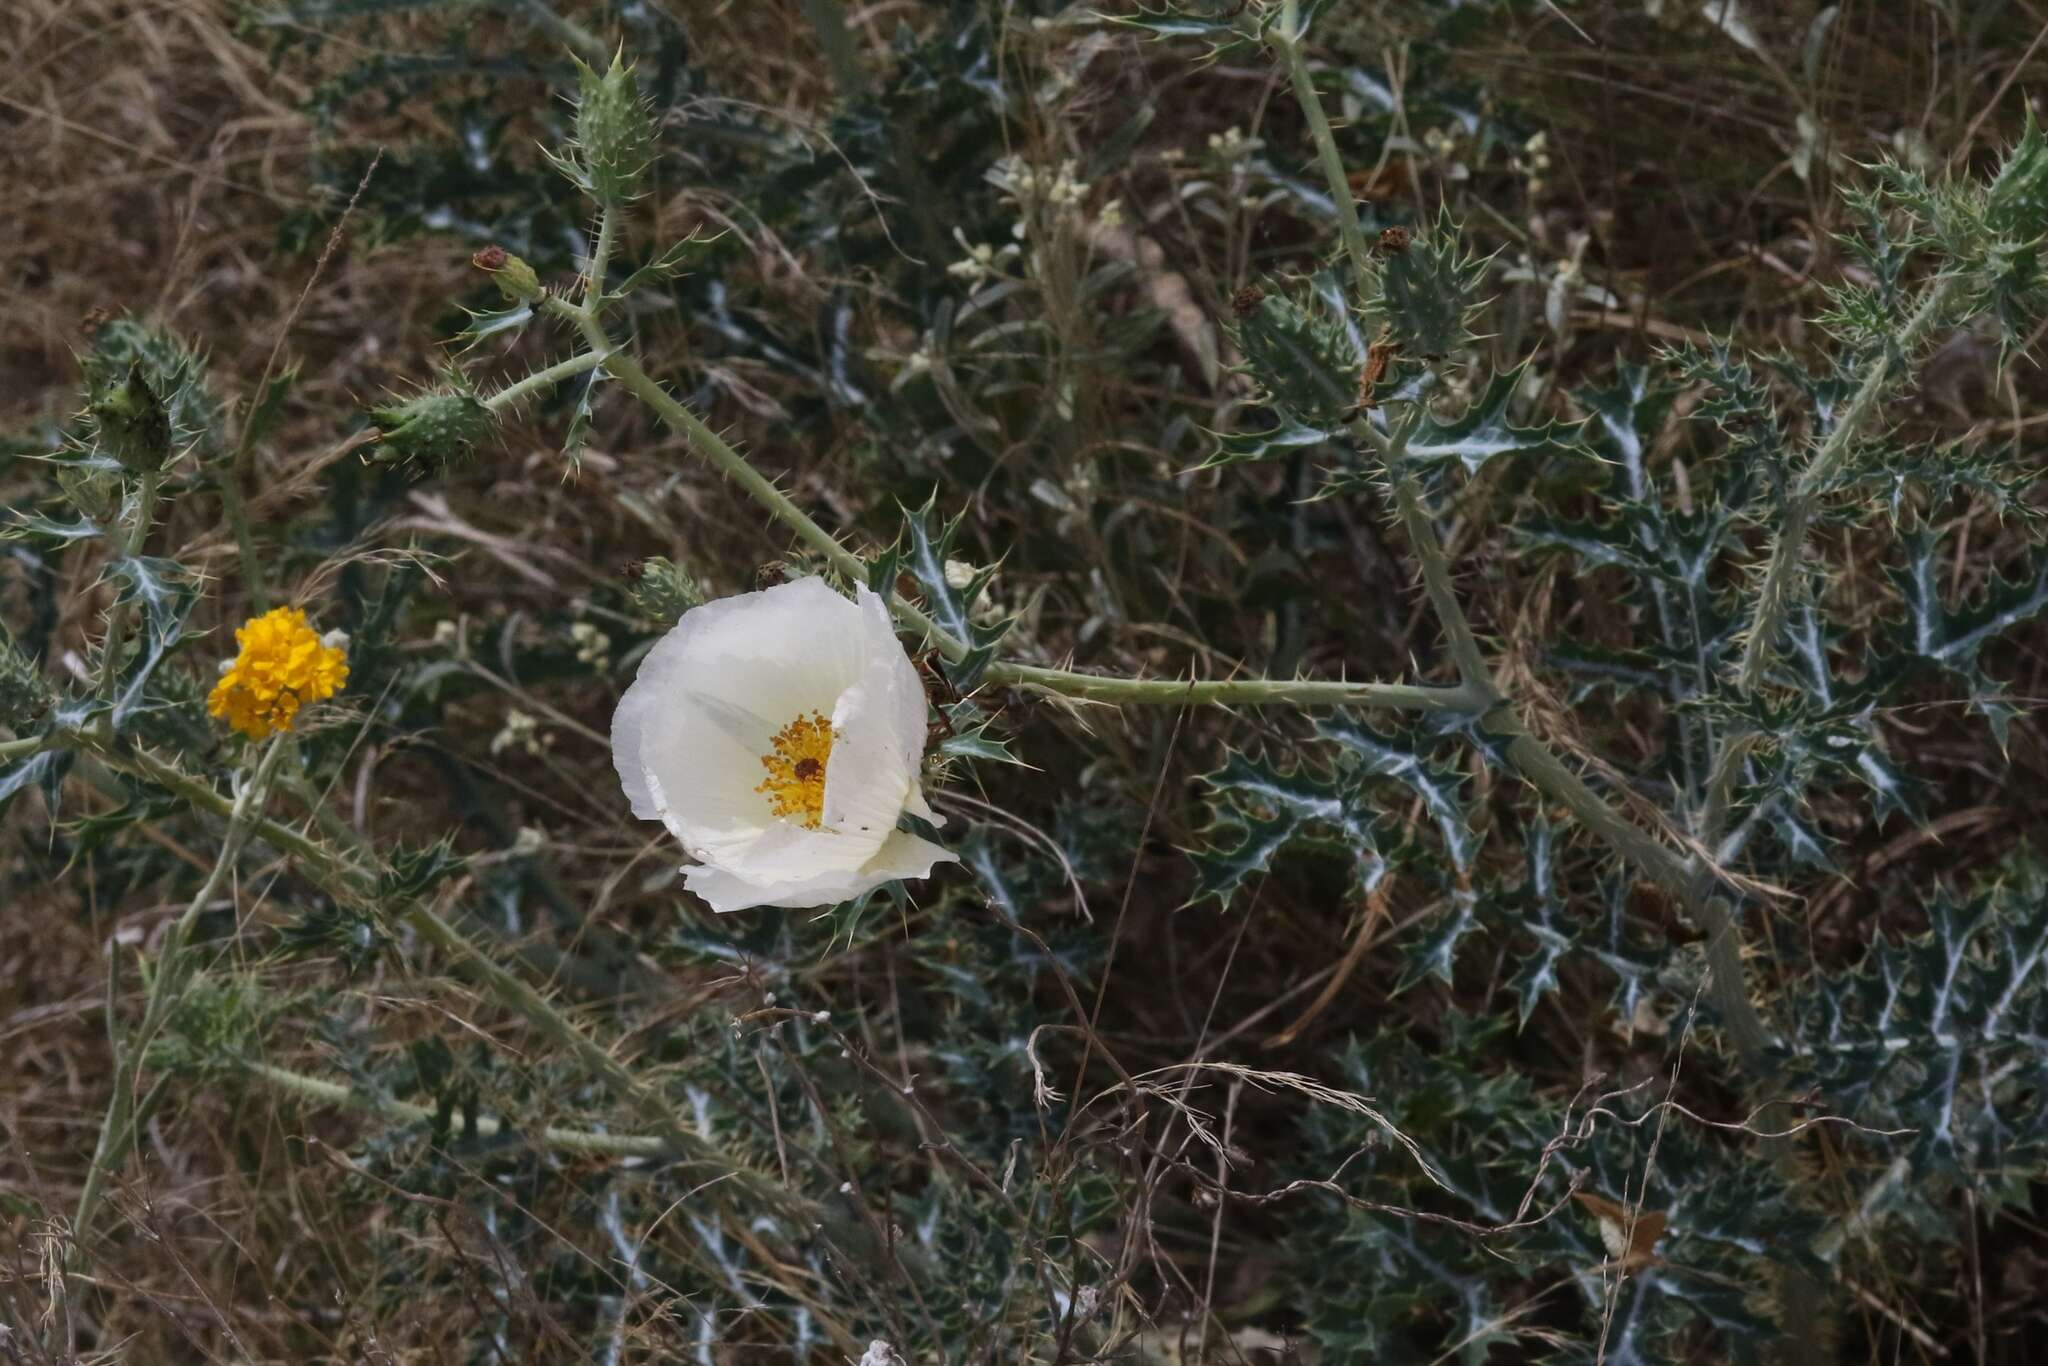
(437, 427)
(662, 591)
(24, 696)
(514, 278)
(613, 132)
(130, 419)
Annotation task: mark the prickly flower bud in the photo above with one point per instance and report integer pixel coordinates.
(515, 279)
(24, 696)
(613, 131)
(662, 591)
(130, 419)
(436, 426)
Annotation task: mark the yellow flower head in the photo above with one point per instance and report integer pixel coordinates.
(282, 666)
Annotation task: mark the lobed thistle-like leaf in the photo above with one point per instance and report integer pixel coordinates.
(1940, 1036)
(950, 596)
(216, 1027)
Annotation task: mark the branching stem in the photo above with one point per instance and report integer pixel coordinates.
(1542, 769)
(1247, 692)
(166, 985)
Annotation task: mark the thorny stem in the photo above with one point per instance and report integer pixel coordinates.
(117, 615)
(1066, 683)
(1651, 856)
(1436, 570)
(1542, 769)
(322, 1092)
(542, 379)
(167, 982)
(10, 750)
(355, 883)
(1287, 38)
(600, 257)
(1774, 601)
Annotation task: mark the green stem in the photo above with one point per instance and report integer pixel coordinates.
(600, 258)
(1436, 569)
(575, 35)
(117, 616)
(1287, 38)
(1726, 986)
(322, 1092)
(1774, 601)
(1247, 692)
(542, 379)
(10, 750)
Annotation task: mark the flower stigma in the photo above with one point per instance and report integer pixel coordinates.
(795, 785)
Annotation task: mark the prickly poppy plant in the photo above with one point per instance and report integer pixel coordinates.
(992, 684)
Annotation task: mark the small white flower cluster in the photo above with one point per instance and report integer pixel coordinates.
(1232, 145)
(521, 730)
(1534, 161)
(1062, 190)
(592, 645)
(1444, 148)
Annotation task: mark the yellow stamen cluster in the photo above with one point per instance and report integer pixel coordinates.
(795, 786)
(282, 666)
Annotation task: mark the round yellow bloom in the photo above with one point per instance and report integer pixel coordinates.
(283, 665)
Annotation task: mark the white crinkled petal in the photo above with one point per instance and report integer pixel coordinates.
(892, 673)
(689, 735)
(901, 856)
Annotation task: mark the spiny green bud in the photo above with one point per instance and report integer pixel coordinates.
(131, 420)
(613, 132)
(515, 279)
(1302, 356)
(2017, 202)
(436, 427)
(24, 696)
(661, 590)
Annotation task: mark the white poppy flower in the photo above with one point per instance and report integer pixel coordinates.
(778, 736)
